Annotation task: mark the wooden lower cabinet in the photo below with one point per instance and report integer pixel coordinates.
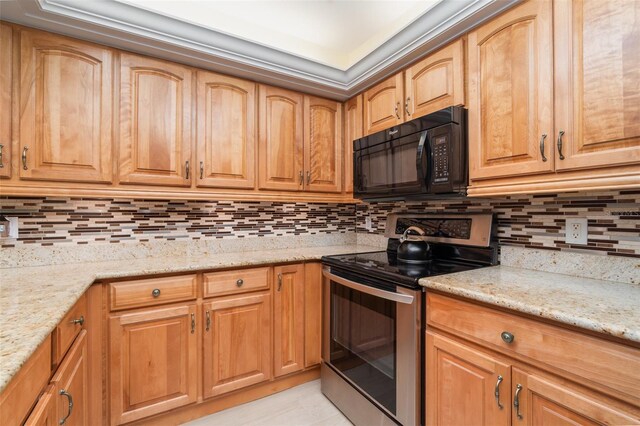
(71, 385)
(153, 365)
(465, 386)
(237, 342)
(44, 413)
(288, 319)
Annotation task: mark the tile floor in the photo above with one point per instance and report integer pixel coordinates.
(302, 405)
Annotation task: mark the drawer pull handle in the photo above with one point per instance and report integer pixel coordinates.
(63, 392)
(78, 321)
(201, 170)
(542, 138)
(187, 170)
(397, 110)
(24, 158)
(208, 314)
(507, 337)
(279, 282)
(560, 134)
(406, 106)
(240, 282)
(155, 292)
(516, 401)
(193, 323)
(1, 162)
(497, 392)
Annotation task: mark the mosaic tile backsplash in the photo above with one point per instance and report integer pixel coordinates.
(537, 221)
(523, 220)
(56, 221)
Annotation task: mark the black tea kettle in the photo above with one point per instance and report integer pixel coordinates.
(412, 248)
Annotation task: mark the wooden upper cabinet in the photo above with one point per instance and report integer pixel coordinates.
(383, 105)
(352, 131)
(280, 139)
(153, 361)
(6, 72)
(288, 319)
(322, 145)
(510, 93)
(155, 122)
(66, 109)
(597, 70)
(237, 342)
(435, 82)
(462, 384)
(226, 140)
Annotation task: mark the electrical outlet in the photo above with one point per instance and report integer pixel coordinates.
(576, 231)
(367, 223)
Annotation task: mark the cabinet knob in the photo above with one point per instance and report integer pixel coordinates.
(155, 292)
(78, 321)
(240, 282)
(507, 337)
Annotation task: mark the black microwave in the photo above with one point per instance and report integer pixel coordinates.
(422, 158)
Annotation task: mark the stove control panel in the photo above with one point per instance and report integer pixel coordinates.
(469, 229)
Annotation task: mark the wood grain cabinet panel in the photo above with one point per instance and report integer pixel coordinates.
(44, 413)
(155, 122)
(66, 109)
(383, 105)
(312, 314)
(353, 121)
(510, 93)
(6, 75)
(462, 383)
(435, 82)
(237, 343)
(322, 145)
(280, 139)
(152, 291)
(226, 140)
(597, 70)
(238, 281)
(69, 327)
(288, 319)
(71, 384)
(153, 361)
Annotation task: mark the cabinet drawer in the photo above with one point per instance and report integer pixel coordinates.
(237, 281)
(68, 328)
(608, 366)
(152, 291)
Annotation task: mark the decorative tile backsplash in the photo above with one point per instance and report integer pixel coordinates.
(56, 221)
(537, 221)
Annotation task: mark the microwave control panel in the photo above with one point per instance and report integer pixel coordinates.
(440, 150)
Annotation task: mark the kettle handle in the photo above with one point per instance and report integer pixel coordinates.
(405, 235)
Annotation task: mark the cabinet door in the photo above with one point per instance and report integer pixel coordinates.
(510, 93)
(44, 413)
(71, 385)
(237, 343)
(352, 131)
(280, 156)
(226, 131)
(464, 386)
(66, 109)
(322, 145)
(312, 313)
(435, 82)
(6, 72)
(153, 361)
(288, 319)
(597, 69)
(383, 107)
(155, 122)
(547, 401)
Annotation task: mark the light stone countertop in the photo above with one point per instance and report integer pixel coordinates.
(33, 300)
(603, 306)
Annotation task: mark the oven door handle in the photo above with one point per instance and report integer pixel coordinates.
(387, 295)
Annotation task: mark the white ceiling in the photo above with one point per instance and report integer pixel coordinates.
(337, 33)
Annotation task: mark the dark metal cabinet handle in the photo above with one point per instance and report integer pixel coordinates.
(507, 337)
(24, 158)
(406, 106)
(1, 162)
(544, 136)
(279, 282)
(240, 282)
(201, 170)
(516, 401)
(560, 134)
(398, 110)
(208, 315)
(63, 392)
(301, 175)
(308, 177)
(187, 170)
(155, 292)
(193, 323)
(78, 321)
(497, 392)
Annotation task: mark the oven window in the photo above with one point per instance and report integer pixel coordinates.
(363, 342)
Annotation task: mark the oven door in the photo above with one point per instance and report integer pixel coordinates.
(371, 339)
(397, 166)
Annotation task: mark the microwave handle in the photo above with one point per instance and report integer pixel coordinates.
(387, 295)
(422, 163)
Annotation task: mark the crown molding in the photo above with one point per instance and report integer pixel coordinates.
(138, 30)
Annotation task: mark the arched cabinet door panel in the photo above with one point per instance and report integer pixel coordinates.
(322, 145)
(383, 105)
